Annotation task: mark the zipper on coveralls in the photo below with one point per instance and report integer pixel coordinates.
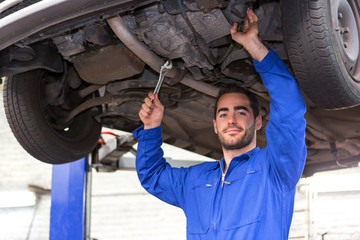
(223, 176)
(222, 185)
(222, 179)
(213, 198)
(213, 203)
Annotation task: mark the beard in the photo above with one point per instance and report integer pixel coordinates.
(239, 143)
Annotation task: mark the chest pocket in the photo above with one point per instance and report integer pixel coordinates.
(199, 206)
(243, 199)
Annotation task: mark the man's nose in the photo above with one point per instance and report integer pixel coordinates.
(232, 119)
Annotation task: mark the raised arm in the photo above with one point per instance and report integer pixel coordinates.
(285, 132)
(155, 174)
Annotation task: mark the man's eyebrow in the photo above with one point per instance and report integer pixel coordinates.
(241, 107)
(223, 109)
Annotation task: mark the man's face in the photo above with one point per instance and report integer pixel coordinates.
(235, 124)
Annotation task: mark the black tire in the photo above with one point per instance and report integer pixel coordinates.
(30, 121)
(327, 71)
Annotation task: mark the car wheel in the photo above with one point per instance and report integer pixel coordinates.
(322, 40)
(33, 119)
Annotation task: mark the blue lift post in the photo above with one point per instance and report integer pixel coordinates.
(69, 218)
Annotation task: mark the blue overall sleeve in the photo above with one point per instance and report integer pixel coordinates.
(155, 174)
(285, 131)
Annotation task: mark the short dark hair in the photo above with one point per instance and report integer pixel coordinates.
(254, 103)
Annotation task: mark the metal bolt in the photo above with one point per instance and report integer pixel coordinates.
(345, 44)
(340, 16)
(344, 30)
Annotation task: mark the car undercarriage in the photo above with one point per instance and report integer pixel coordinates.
(75, 66)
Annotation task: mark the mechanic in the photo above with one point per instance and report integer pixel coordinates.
(249, 193)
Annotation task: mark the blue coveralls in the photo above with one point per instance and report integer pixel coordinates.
(256, 198)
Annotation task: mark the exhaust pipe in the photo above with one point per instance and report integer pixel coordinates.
(152, 59)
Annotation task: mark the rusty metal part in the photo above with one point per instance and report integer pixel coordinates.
(90, 89)
(208, 5)
(169, 35)
(17, 60)
(200, 86)
(107, 99)
(113, 62)
(153, 60)
(85, 105)
(129, 39)
(70, 44)
(210, 26)
(119, 86)
(179, 75)
(97, 34)
(116, 96)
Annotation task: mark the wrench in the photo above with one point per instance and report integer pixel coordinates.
(163, 71)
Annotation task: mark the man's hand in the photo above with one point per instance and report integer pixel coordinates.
(249, 38)
(151, 113)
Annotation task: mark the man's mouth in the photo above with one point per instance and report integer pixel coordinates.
(233, 130)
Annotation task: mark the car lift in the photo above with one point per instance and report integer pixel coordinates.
(71, 188)
(71, 185)
(69, 201)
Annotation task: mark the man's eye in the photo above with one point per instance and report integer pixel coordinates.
(222, 115)
(241, 113)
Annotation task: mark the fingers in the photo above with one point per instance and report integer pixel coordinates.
(149, 104)
(251, 16)
(246, 25)
(151, 95)
(146, 109)
(234, 27)
(143, 115)
(155, 101)
(151, 112)
(233, 30)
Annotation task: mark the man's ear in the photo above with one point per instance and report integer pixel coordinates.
(215, 128)
(258, 122)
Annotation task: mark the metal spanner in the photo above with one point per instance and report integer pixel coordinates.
(163, 71)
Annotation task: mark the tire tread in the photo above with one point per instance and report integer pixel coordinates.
(28, 128)
(313, 57)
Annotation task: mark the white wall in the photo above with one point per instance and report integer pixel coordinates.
(328, 204)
